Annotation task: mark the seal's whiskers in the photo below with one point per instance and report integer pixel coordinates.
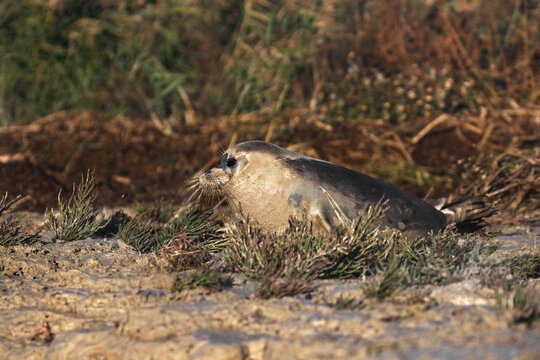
(337, 209)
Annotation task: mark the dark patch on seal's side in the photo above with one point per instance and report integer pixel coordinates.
(295, 201)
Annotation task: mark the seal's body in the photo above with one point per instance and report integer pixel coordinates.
(271, 184)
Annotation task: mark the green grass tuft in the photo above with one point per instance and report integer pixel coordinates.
(524, 307)
(6, 205)
(300, 253)
(386, 283)
(76, 218)
(144, 237)
(185, 243)
(444, 257)
(193, 247)
(285, 263)
(525, 266)
(11, 232)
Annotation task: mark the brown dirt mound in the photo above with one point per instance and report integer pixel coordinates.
(133, 160)
(148, 160)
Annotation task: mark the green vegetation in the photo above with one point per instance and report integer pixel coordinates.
(6, 205)
(519, 303)
(185, 243)
(301, 253)
(199, 239)
(171, 58)
(11, 230)
(132, 57)
(526, 266)
(444, 257)
(76, 218)
(12, 233)
(284, 262)
(524, 306)
(212, 280)
(386, 282)
(144, 237)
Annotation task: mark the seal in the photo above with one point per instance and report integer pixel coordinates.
(272, 184)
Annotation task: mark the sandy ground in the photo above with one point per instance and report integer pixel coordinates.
(98, 298)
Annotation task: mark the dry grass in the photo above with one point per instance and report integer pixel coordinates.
(510, 178)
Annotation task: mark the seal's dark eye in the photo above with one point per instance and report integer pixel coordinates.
(231, 162)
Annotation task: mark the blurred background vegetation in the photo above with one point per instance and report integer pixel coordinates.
(383, 59)
(438, 97)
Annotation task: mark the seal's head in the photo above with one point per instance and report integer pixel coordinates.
(253, 177)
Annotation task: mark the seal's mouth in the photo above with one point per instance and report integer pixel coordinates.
(208, 189)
